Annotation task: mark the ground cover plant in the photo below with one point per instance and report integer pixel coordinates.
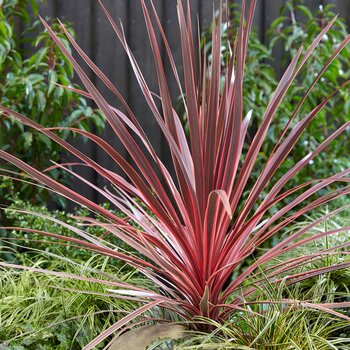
(41, 312)
(192, 230)
(336, 282)
(275, 326)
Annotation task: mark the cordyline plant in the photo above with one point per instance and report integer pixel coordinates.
(193, 229)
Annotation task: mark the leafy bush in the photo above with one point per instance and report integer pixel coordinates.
(201, 228)
(22, 214)
(30, 67)
(296, 26)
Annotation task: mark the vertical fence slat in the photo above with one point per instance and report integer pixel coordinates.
(81, 14)
(171, 29)
(271, 12)
(111, 59)
(47, 9)
(139, 44)
(343, 8)
(206, 12)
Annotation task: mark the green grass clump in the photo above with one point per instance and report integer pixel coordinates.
(44, 312)
(278, 328)
(277, 325)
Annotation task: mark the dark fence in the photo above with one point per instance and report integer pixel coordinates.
(98, 40)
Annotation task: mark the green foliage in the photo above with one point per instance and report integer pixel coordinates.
(296, 26)
(20, 214)
(44, 312)
(277, 326)
(335, 282)
(39, 311)
(30, 67)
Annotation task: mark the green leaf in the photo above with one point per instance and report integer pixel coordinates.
(28, 87)
(41, 99)
(52, 81)
(28, 140)
(35, 7)
(42, 53)
(35, 78)
(45, 140)
(305, 11)
(2, 54)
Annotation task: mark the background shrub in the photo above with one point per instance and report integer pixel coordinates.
(30, 67)
(296, 26)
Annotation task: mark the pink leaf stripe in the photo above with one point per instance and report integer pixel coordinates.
(193, 229)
